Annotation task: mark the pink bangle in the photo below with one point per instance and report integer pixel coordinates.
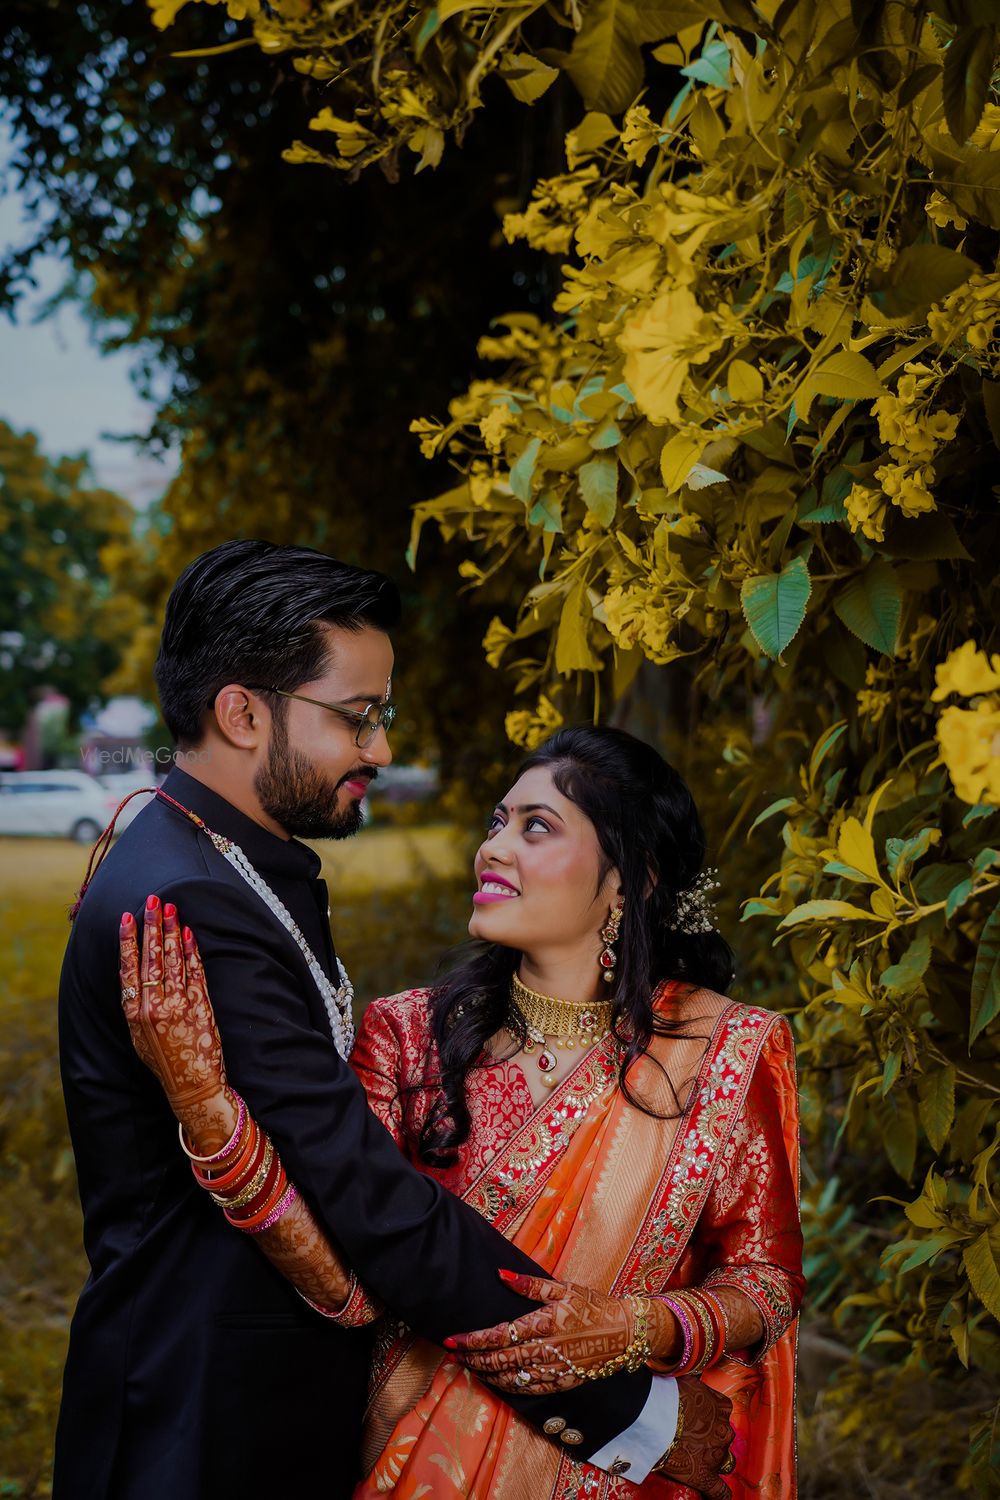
(278, 1211)
(681, 1314)
(207, 1161)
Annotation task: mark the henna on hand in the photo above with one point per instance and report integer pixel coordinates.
(705, 1436)
(172, 1024)
(577, 1329)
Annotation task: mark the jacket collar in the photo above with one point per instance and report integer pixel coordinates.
(266, 851)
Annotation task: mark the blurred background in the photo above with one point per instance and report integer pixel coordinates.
(204, 340)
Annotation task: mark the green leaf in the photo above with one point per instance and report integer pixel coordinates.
(896, 1118)
(547, 512)
(902, 854)
(957, 897)
(769, 811)
(524, 468)
(775, 605)
(920, 275)
(982, 1266)
(527, 77)
(986, 977)
(599, 488)
(968, 72)
(870, 606)
(573, 649)
(827, 913)
(905, 975)
(605, 62)
(679, 453)
(936, 1093)
(745, 382)
(847, 375)
(919, 538)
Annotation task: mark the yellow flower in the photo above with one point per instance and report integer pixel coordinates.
(969, 741)
(907, 488)
(640, 134)
(497, 422)
(967, 671)
(529, 729)
(872, 705)
(496, 640)
(660, 343)
(942, 213)
(866, 512)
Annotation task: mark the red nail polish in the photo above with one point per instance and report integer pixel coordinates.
(509, 1276)
(127, 919)
(450, 1343)
(188, 936)
(169, 911)
(152, 903)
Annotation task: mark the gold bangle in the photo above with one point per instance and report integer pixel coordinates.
(253, 1187)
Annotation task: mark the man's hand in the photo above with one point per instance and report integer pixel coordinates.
(575, 1331)
(700, 1452)
(172, 1024)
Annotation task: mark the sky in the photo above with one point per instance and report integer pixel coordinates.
(54, 381)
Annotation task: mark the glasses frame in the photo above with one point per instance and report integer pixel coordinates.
(358, 717)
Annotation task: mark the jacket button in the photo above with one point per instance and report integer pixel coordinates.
(554, 1425)
(571, 1436)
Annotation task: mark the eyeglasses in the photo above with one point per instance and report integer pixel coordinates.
(367, 721)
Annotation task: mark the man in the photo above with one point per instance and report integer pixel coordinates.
(194, 1370)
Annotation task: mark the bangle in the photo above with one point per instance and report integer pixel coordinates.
(265, 1202)
(253, 1187)
(219, 1181)
(687, 1330)
(704, 1319)
(272, 1216)
(218, 1156)
(263, 1193)
(718, 1314)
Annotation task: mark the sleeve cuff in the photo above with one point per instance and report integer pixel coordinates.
(634, 1452)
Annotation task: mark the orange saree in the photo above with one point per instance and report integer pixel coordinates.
(599, 1192)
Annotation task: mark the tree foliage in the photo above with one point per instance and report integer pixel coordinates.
(756, 438)
(60, 539)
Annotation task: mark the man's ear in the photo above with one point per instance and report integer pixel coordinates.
(241, 716)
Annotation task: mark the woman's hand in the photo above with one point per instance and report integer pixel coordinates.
(700, 1453)
(553, 1348)
(172, 1024)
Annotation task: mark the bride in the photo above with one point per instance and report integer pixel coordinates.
(582, 1080)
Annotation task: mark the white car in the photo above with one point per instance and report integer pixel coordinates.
(60, 804)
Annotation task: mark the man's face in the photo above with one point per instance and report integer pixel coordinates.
(314, 776)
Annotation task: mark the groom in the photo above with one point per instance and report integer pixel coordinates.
(195, 1372)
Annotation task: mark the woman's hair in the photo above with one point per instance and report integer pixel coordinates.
(648, 828)
(250, 612)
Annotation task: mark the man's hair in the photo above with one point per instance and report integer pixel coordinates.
(251, 612)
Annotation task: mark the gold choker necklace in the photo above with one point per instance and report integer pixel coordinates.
(563, 1020)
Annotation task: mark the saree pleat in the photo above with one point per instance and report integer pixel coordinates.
(601, 1193)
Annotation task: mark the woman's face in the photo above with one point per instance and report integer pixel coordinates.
(537, 871)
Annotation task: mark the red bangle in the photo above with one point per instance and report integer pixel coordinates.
(248, 1209)
(251, 1153)
(274, 1197)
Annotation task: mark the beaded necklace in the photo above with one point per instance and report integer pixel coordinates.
(337, 1001)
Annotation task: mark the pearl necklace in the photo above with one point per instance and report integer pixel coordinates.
(566, 1022)
(338, 1002)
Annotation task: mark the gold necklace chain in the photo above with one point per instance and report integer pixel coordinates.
(551, 1017)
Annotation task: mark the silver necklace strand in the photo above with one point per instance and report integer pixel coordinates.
(338, 1001)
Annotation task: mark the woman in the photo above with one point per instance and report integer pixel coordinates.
(581, 1080)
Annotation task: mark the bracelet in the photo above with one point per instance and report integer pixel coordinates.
(263, 1205)
(279, 1210)
(218, 1156)
(220, 1180)
(264, 1194)
(253, 1187)
(684, 1322)
(718, 1315)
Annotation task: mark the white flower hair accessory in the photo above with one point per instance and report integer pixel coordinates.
(695, 906)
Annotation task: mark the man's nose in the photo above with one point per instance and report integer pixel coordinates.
(378, 752)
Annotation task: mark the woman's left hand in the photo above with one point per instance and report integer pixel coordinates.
(577, 1330)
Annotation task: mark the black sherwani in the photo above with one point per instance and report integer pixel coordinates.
(195, 1372)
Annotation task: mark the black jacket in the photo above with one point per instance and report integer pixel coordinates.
(195, 1372)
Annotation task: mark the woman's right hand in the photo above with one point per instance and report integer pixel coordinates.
(172, 1024)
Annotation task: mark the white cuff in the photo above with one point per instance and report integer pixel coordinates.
(635, 1451)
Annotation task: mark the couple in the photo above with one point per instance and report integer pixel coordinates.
(584, 1190)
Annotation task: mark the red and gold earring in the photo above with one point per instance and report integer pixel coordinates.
(609, 936)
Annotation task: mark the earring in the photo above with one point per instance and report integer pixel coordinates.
(609, 934)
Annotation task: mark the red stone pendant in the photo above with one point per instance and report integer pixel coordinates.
(546, 1061)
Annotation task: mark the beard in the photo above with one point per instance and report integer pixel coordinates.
(300, 798)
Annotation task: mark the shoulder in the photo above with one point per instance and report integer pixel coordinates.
(403, 1015)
